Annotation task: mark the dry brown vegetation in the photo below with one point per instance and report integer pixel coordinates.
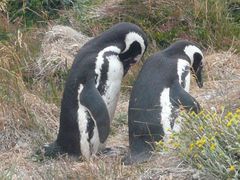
(28, 119)
(30, 122)
(222, 81)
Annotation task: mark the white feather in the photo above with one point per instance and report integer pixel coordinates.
(95, 145)
(113, 84)
(181, 68)
(166, 110)
(177, 124)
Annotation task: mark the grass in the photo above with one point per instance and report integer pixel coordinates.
(212, 23)
(29, 13)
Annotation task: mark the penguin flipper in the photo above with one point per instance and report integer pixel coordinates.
(179, 97)
(92, 100)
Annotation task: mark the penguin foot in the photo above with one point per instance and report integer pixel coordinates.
(115, 151)
(106, 150)
(52, 150)
(136, 158)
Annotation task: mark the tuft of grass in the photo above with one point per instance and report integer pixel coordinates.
(211, 143)
(83, 11)
(11, 73)
(20, 110)
(3, 5)
(28, 13)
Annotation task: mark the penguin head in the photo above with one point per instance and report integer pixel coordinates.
(131, 40)
(135, 45)
(196, 57)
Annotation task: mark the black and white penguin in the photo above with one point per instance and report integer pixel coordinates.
(160, 89)
(92, 90)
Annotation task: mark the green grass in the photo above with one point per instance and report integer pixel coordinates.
(209, 22)
(31, 12)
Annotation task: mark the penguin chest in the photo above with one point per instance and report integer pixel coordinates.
(113, 85)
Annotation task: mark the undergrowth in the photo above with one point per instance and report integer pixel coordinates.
(35, 11)
(209, 142)
(209, 22)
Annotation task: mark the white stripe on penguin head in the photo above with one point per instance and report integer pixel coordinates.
(130, 38)
(190, 50)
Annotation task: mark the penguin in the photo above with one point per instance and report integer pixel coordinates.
(92, 89)
(159, 91)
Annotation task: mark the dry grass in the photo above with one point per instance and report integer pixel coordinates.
(59, 47)
(27, 122)
(222, 81)
(3, 5)
(21, 149)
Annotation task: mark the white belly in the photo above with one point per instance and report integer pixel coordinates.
(111, 98)
(113, 85)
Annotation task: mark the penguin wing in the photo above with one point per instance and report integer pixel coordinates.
(92, 100)
(179, 97)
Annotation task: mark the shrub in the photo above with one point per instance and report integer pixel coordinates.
(29, 12)
(211, 143)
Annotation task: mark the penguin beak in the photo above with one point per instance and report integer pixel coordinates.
(126, 68)
(198, 77)
(127, 63)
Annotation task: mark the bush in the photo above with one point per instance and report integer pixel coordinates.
(209, 22)
(29, 12)
(211, 143)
